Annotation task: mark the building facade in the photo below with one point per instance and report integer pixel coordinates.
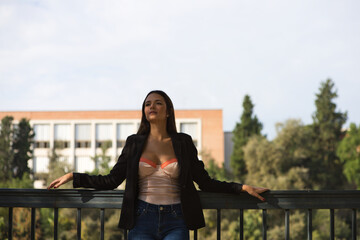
(79, 135)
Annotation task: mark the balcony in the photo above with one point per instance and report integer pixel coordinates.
(102, 200)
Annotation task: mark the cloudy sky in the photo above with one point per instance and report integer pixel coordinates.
(106, 55)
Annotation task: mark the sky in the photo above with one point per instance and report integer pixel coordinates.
(205, 54)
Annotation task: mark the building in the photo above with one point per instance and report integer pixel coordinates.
(80, 134)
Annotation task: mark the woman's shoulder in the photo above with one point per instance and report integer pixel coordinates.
(182, 136)
(135, 137)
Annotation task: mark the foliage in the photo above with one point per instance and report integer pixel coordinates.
(216, 172)
(249, 125)
(23, 138)
(321, 223)
(349, 154)
(6, 152)
(326, 127)
(102, 161)
(58, 166)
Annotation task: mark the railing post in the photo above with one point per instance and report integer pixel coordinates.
(195, 234)
(332, 225)
(353, 224)
(241, 224)
(218, 224)
(56, 223)
(102, 220)
(33, 220)
(10, 222)
(309, 224)
(287, 224)
(264, 227)
(78, 223)
(125, 234)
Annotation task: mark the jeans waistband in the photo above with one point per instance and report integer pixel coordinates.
(163, 208)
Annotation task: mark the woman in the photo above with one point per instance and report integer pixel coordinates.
(159, 165)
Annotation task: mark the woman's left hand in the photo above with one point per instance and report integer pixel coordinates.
(254, 191)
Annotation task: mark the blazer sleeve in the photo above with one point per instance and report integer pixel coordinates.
(202, 178)
(107, 182)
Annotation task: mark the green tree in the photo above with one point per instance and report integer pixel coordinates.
(280, 165)
(349, 154)
(57, 167)
(325, 166)
(6, 152)
(102, 161)
(248, 126)
(214, 170)
(23, 138)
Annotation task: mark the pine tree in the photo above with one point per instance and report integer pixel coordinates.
(247, 127)
(23, 137)
(6, 152)
(325, 167)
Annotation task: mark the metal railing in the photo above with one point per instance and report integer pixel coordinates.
(285, 200)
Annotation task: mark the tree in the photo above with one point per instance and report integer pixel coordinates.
(247, 127)
(6, 152)
(293, 141)
(102, 161)
(23, 137)
(325, 167)
(349, 154)
(57, 168)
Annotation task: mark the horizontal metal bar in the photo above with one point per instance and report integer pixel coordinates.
(42, 198)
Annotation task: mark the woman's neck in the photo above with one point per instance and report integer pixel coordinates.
(158, 132)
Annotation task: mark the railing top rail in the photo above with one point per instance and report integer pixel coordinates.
(84, 198)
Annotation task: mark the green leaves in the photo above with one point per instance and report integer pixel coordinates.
(248, 127)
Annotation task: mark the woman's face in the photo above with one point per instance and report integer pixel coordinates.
(155, 108)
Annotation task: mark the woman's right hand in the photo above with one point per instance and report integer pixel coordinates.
(61, 180)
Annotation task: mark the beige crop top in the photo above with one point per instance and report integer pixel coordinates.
(158, 184)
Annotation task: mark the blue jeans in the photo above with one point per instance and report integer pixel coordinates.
(159, 222)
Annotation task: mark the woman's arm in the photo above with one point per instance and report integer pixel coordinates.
(61, 180)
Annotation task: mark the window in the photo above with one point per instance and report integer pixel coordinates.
(190, 128)
(41, 165)
(42, 136)
(84, 164)
(123, 131)
(62, 135)
(82, 135)
(103, 134)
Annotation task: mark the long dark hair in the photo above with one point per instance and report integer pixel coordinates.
(170, 121)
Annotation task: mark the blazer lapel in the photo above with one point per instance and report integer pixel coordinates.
(177, 145)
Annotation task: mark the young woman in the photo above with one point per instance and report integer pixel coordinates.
(159, 165)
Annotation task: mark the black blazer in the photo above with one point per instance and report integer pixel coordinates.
(191, 169)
